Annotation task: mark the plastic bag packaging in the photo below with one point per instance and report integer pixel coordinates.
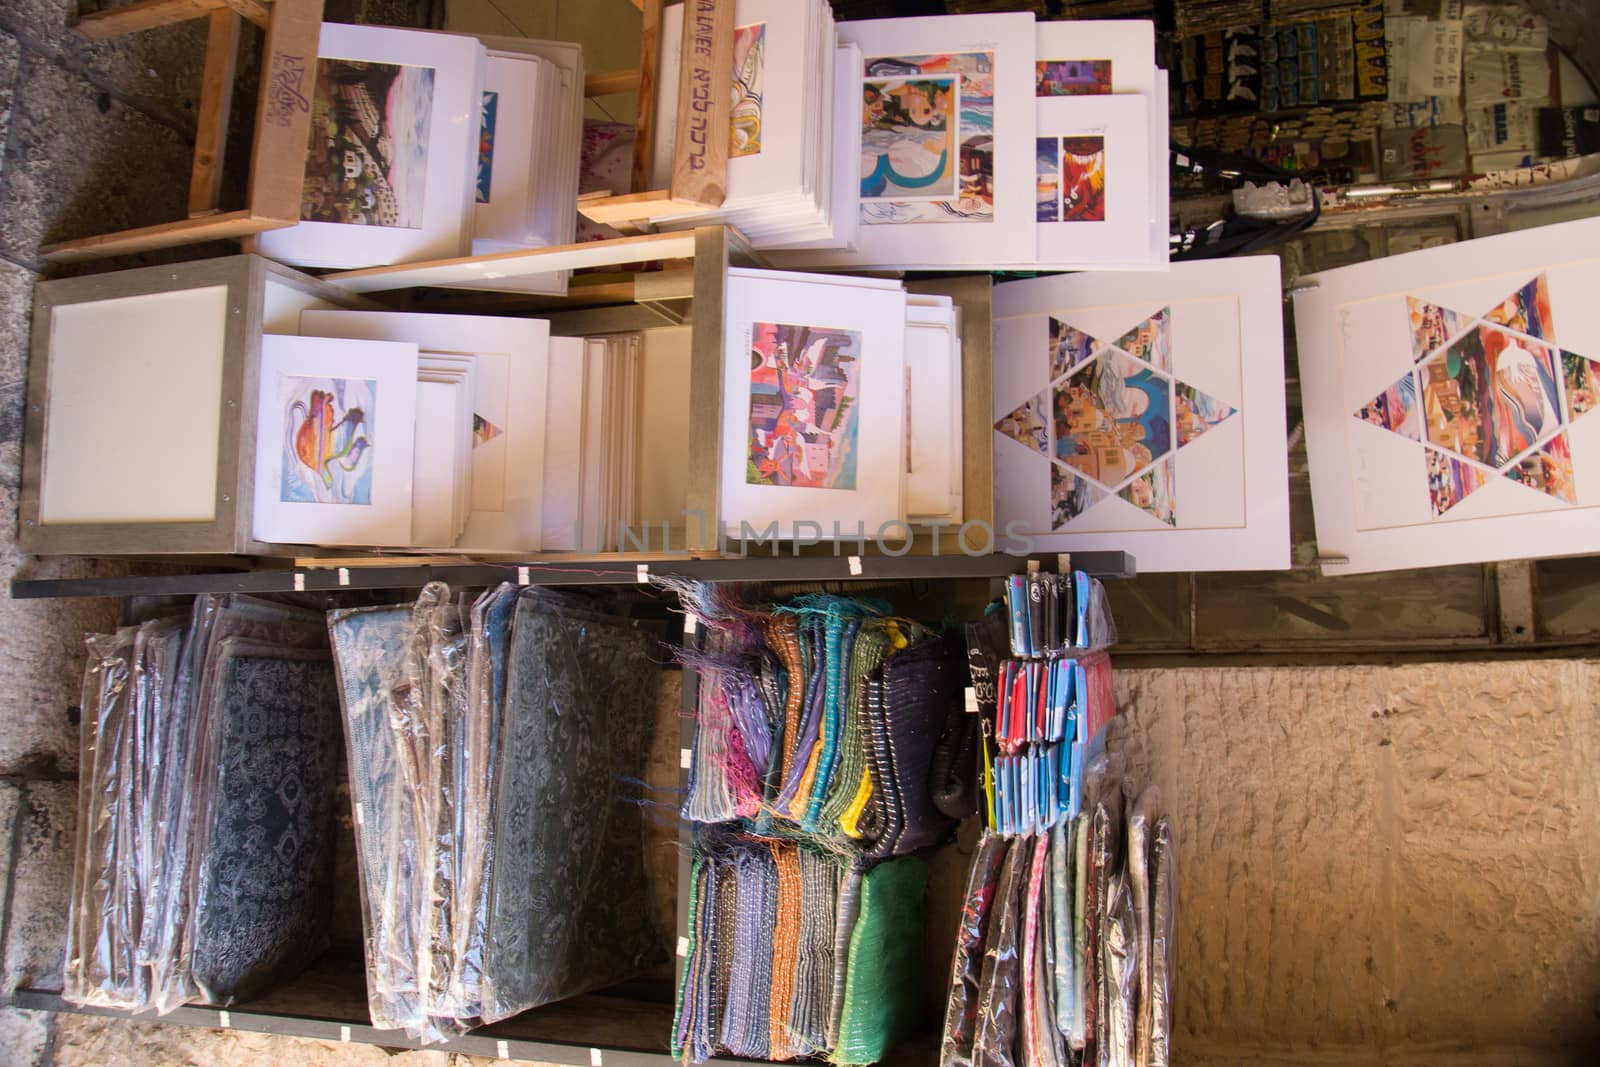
(1163, 939)
(1140, 822)
(1038, 1025)
(883, 989)
(174, 894)
(1062, 877)
(1096, 627)
(1077, 1036)
(1000, 991)
(89, 977)
(966, 966)
(1106, 870)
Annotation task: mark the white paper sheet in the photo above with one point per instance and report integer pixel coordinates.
(1448, 397)
(1154, 423)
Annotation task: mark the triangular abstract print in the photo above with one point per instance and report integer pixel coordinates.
(1431, 326)
(1026, 425)
(1151, 340)
(1548, 469)
(1491, 395)
(1116, 419)
(483, 431)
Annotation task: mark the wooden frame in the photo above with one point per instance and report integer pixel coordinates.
(705, 84)
(253, 287)
(282, 125)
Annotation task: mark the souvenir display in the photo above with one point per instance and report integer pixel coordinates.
(391, 169)
(1446, 395)
(1145, 413)
(510, 367)
(822, 726)
(783, 136)
(208, 769)
(490, 744)
(1064, 951)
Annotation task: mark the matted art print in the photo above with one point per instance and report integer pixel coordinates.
(1447, 395)
(749, 79)
(813, 423)
(927, 138)
(804, 387)
(367, 163)
(1072, 77)
(329, 427)
(1096, 149)
(1164, 429)
(335, 429)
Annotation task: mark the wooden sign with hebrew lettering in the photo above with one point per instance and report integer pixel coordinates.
(700, 152)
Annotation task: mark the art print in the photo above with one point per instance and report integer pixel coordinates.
(908, 128)
(749, 75)
(1164, 431)
(1449, 402)
(804, 385)
(367, 160)
(328, 439)
(1048, 159)
(491, 106)
(1083, 179)
(1072, 77)
(928, 138)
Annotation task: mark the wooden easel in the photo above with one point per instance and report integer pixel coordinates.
(283, 120)
(700, 151)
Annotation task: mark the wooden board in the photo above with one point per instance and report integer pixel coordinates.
(224, 227)
(216, 104)
(498, 265)
(283, 109)
(148, 14)
(644, 121)
(700, 149)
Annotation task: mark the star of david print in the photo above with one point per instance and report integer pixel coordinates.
(1112, 419)
(1489, 396)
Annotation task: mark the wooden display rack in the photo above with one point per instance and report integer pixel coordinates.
(283, 120)
(705, 86)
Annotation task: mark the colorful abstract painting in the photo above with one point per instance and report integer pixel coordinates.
(1549, 470)
(1112, 417)
(1527, 311)
(1582, 384)
(1048, 165)
(1151, 340)
(1450, 481)
(908, 131)
(483, 431)
(803, 406)
(1195, 412)
(367, 160)
(749, 74)
(1026, 425)
(1083, 179)
(1395, 409)
(927, 138)
(1072, 77)
(491, 108)
(1068, 347)
(1490, 395)
(328, 436)
(1070, 495)
(1431, 325)
(1153, 492)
